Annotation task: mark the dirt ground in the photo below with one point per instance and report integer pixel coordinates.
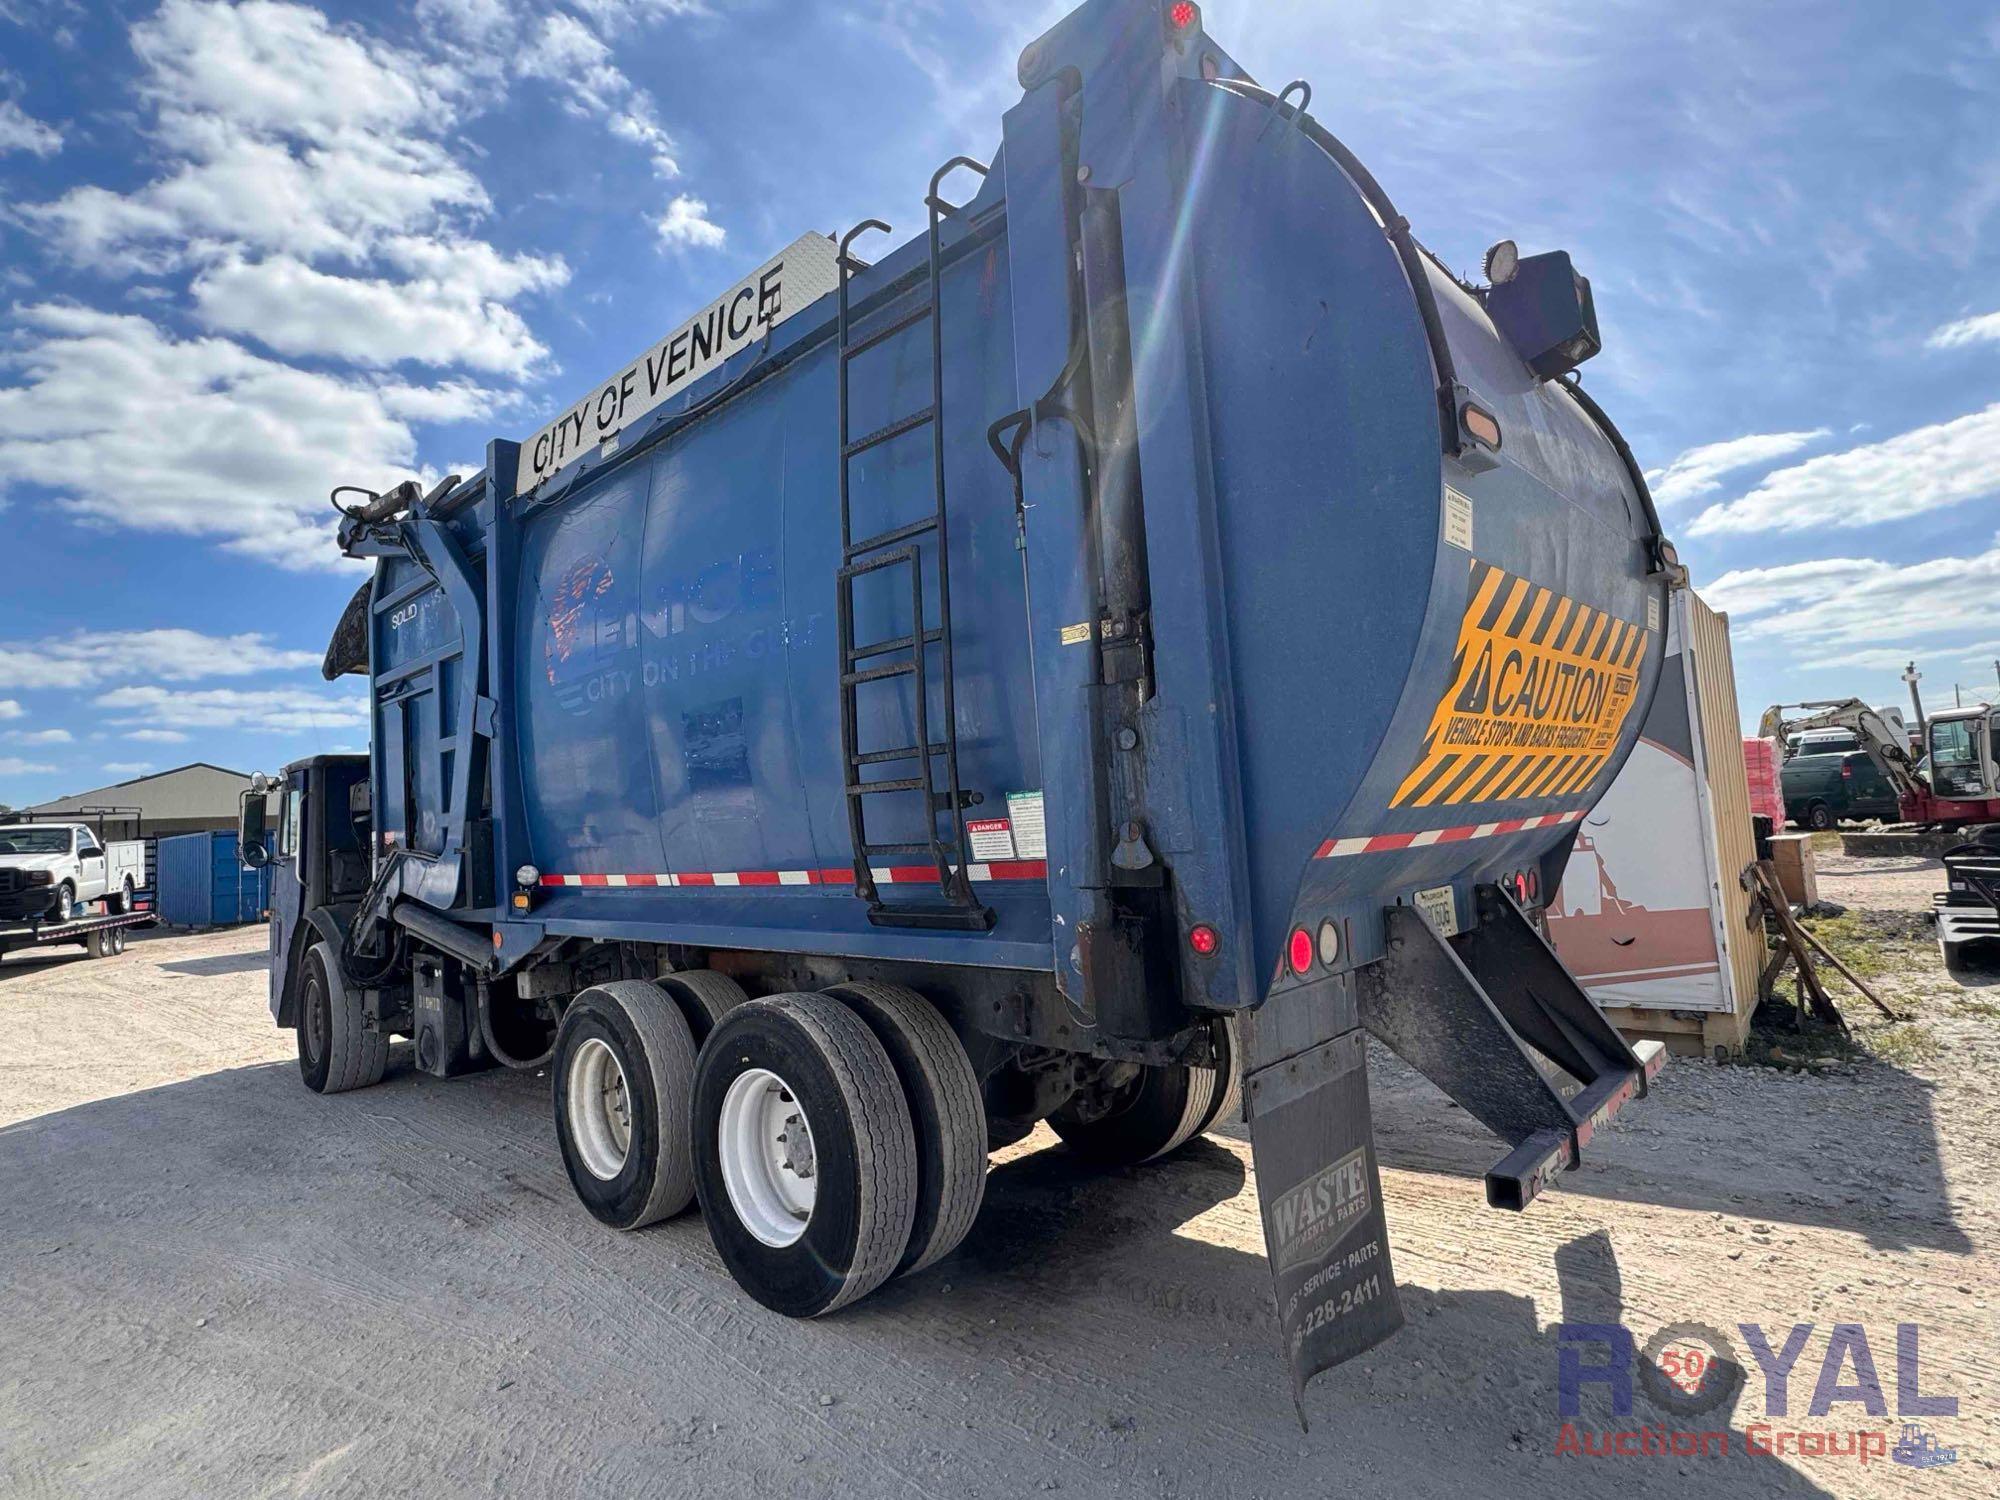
(219, 1284)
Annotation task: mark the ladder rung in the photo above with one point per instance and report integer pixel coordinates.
(882, 435)
(906, 752)
(900, 784)
(876, 674)
(883, 335)
(878, 562)
(890, 538)
(900, 643)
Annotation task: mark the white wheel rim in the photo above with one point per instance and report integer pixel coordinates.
(600, 1109)
(768, 1166)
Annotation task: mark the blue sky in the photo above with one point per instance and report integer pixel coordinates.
(251, 250)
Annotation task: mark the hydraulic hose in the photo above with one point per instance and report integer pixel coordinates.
(493, 1047)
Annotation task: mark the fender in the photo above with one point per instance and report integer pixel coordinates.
(326, 924)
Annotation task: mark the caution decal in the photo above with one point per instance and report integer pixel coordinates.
(1541, 687)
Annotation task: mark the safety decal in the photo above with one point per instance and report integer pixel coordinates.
(1541, 687)
(1395, 843)
(1022, 869)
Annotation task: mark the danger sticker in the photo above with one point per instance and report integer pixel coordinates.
(991, 838)
(1541, 688)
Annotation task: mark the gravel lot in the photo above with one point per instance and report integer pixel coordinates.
(219, 1284)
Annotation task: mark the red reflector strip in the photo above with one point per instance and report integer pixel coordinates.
(1016, 869)
(1385, 843)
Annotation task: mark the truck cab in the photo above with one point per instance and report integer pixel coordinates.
(319, 860)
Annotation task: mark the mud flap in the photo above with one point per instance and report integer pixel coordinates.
(1320, 1190)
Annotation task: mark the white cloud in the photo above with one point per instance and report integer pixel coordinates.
(9, 709)
(1929, 468)
(686, 222)
(157, 736)
(13, 765)
(41, 736)
(265, 710)
(128, 767)
(197, 436)
(1699, 471)
(90, 657)
(570, 55)
(294, 309)
(1983, 329)
(1842, 605)
(284, 135)
(21, 131)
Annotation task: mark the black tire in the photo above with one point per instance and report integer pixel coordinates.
(947, 1114)
(649, 1039)
(1819, 817)
(863, 1152)
(1229, 1070)
(64, 904)
(337, 1051)
(117, 936)
(122, 902)
(97, 944)
(1159, 1112)
(704, 997)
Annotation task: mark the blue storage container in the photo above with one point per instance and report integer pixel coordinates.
(202, 882)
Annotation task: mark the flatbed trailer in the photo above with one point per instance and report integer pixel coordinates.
(101, 934)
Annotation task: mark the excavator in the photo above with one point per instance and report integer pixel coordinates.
(1954, 790)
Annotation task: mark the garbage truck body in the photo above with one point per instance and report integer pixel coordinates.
(1156, 627)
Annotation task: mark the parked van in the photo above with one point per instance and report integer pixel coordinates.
(1827, 780)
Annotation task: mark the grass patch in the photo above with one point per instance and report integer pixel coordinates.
(1871, 948)
(1901, 1045)
(1986, 1010)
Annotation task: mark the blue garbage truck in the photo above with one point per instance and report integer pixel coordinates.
(1098, 661)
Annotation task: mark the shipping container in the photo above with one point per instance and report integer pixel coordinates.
(204, 883)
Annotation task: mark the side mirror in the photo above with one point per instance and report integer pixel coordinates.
(250, 831)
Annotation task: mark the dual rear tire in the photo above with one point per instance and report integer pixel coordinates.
(834, 1140)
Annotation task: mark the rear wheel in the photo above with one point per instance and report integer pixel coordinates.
(1819, 817)
(337, 1051)
(122, 902)
(1157, 1112)
(704, 997)
(1229, 1070)
(804, 1154)
(624, 1073)
(946, 1114)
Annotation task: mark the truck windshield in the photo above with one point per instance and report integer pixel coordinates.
(1955, 759)
(34, 841)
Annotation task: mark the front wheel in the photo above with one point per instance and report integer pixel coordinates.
(337, 1051)
(65, 903)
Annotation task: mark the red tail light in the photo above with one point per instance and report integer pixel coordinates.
(1301, 950)
(1183, 15)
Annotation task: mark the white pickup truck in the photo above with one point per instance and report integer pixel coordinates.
(49, 870)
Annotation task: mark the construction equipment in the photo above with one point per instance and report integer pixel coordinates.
(1958, 786)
